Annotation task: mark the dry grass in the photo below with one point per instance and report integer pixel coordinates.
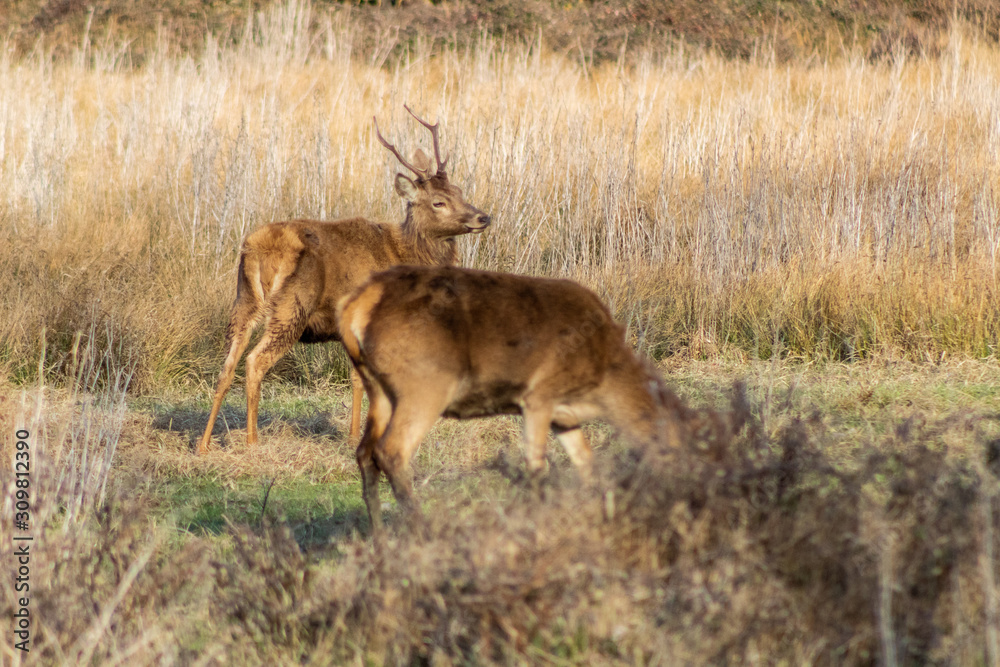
(820, 210)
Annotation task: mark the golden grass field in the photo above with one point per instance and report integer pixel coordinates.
(808, 249)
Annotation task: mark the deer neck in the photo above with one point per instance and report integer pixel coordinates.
(669, 409)
(420, 249)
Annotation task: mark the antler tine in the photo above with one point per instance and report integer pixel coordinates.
(441, 164)
(392, 149)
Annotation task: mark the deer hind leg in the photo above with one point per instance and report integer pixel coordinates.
(358, 392)
(411, 420)
(379, 413)
(285, 323)
(241, 325)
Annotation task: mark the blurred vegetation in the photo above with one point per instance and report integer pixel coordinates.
(597, 30)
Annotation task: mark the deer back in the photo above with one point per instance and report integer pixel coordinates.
(500, 337)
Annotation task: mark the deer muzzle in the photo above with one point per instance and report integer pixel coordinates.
(478, 223)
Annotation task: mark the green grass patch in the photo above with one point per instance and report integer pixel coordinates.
(316, 513)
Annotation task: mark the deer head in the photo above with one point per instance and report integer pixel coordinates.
(434, 207)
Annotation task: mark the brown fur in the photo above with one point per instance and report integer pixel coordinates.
(442, 341)
(292, 274)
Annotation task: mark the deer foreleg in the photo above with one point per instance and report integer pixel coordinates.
(575, 444)
(537, 421)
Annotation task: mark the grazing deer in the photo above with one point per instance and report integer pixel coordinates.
(440, 341)
(292, 274)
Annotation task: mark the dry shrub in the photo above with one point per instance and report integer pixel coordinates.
(779, 512)
(748, 540)
(104, 589)
(105, 586)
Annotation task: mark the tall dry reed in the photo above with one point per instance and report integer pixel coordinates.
(829, 208)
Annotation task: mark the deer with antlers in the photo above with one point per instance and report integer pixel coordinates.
(439, 341)
(292, 274)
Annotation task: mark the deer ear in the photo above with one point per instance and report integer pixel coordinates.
(406, 188)
(421, 161)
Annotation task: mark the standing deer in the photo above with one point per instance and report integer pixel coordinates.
(292, 274)
(440, 341)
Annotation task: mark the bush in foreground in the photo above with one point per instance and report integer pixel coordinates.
(743, 542)
(779, 538)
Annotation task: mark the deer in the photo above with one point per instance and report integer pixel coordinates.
(292, 274)
(432, 342)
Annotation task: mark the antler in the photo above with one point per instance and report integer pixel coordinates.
(392, 149)
(441, 164)
(425, 173)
